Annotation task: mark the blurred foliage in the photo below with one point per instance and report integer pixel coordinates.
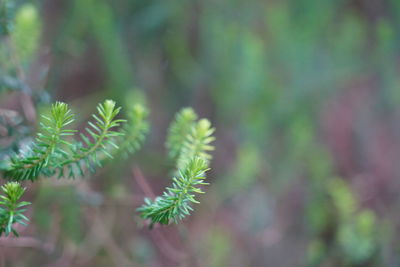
(305, 98)
(26, 32)
(66, 201)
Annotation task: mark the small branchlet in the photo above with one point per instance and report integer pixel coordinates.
(174, 204)
(29, 165)
(11, 210)
(197, 143)
(96, 144)
(188, 143)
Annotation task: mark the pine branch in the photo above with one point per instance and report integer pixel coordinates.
(197, 143)
(11, 210)
(174, 204)
(189, 143)
(52, 152)
(29, 165)
(100, 136)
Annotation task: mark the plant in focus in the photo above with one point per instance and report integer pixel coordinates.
(188, 143)
(56, 152)
(60, 151)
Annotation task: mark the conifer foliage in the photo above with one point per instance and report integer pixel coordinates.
(188, 143)
(60, 151)
(11, 209)
(56, 152)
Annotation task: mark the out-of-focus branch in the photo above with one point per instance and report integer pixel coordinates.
(26, 100)
(26, 242)
(141, 181)
(165, 247)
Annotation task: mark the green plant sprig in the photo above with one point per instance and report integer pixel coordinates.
(55, 150)
(28, 166)
(11, 210)
(197, 143)
(174, 204)
(100, 136)
(188, 143)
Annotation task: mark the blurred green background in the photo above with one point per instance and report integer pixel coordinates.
(305, 99)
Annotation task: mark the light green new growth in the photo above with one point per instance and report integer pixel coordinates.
(29, 165)
(96, 143)
(53, 153)
(179, 130)
(197, 143)
(188, 143)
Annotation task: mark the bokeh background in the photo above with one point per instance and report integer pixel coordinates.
(304, 96)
